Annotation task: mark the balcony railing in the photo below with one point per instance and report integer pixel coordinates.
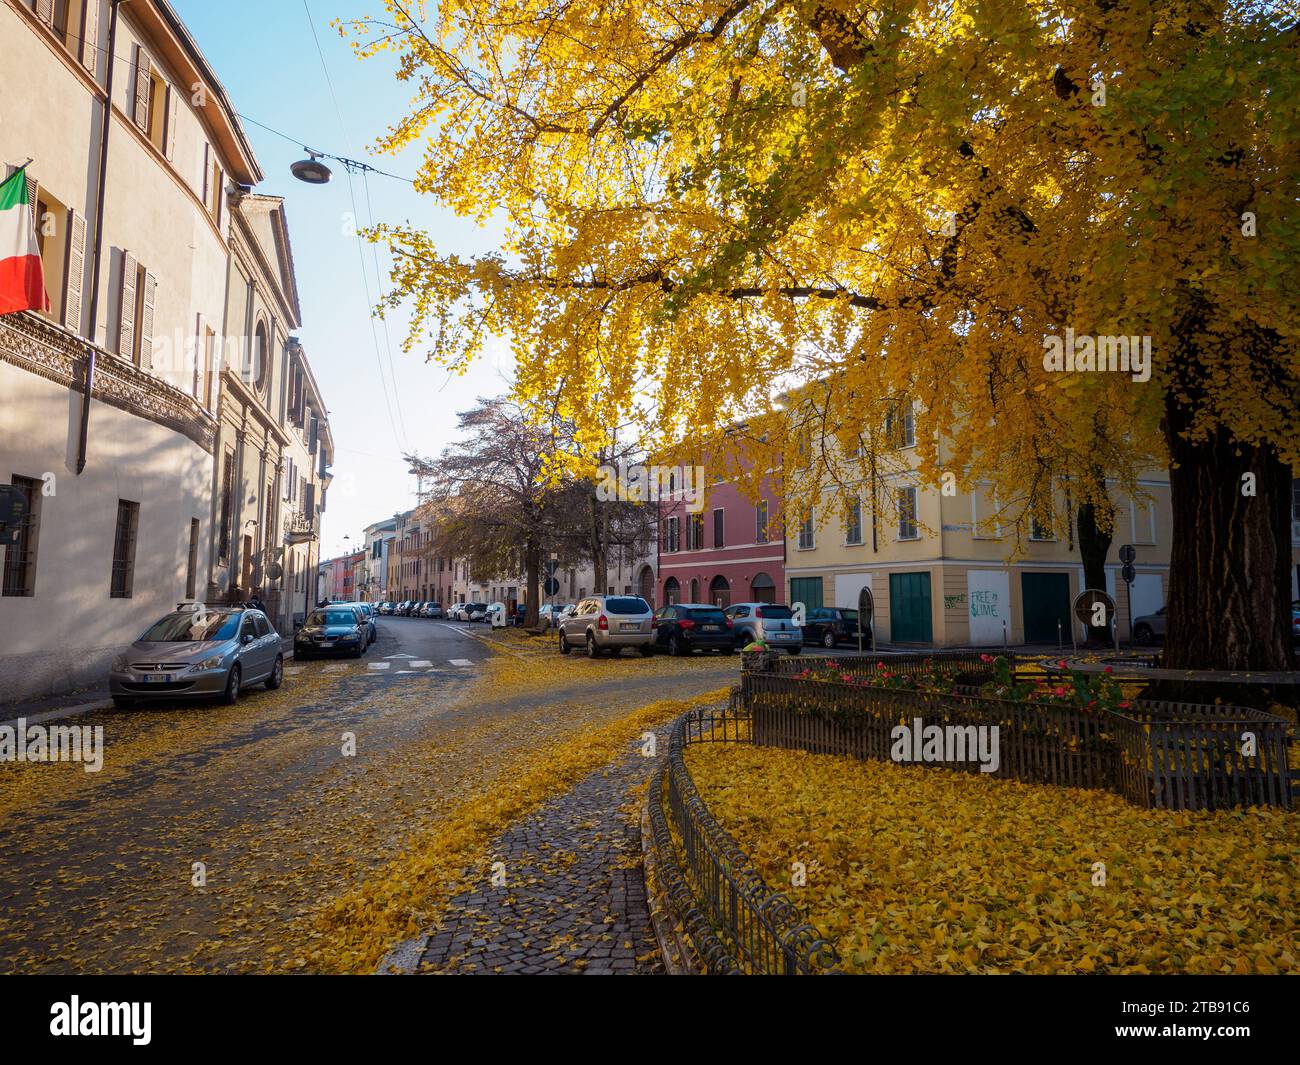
(300, 528)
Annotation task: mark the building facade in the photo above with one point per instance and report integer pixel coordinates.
(131, 138)
(119, 406)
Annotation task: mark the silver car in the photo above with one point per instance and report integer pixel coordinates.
(199, 652)
(771, 623)
(603, 623)
(1148, 627)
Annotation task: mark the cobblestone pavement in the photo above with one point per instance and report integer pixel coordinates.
(574, 898)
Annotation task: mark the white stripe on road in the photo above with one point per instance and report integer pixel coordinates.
(380, 665)
(460, 661)
(421, 664)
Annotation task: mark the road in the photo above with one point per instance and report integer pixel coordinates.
(99, 873)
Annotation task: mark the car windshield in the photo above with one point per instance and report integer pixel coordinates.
(849, 615)
(709, 616)
(187, 626)
(779, 613)
(332, 617)
(626, 604)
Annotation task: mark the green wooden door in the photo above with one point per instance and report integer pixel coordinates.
(909, 608)
(1046, 599)
(806, 590)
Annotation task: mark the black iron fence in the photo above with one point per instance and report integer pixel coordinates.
(737, 923)
(1182, 756)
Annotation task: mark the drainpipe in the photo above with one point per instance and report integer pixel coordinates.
(84, 436)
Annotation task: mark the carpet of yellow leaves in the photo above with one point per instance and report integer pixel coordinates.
(398, 900)
(918, 870)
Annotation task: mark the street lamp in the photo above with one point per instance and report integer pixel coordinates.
(312, 170)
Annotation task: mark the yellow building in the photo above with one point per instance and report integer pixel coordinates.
(942, 571)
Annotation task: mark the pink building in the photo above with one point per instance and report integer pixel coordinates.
(730, 551)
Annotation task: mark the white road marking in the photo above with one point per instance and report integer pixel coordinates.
(399, 656)
(421, 663)
(293, 671)
(460, 661)
(401, 671)
(379, 665)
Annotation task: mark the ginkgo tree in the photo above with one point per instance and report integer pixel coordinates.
(713, 204)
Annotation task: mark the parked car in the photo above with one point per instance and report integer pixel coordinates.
(407, 606)
(199, 652)
(608, 623)
(830, 626)
(681, 628)
(367, 612)
(1147, 627)
(769, 622)
(431, 610)
(475, 611)
(331, 630)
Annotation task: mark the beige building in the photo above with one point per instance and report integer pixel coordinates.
(134, 147)
(943, 572)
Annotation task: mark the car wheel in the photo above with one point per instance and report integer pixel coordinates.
(675, 646)
(1143, 635)
(828, 640)
(360, 650)
(647, 650)
(277, 674)
(729, 650)
(123, 702)
(592, 650)
(231, 695)
(564, 645)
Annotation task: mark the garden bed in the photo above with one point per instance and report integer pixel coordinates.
(912, 871)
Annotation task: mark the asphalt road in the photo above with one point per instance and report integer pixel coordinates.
(212, 833)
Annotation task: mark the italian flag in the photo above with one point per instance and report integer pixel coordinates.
(22, 281)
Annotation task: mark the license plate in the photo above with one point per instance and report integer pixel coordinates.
(709, 628)
(158, 678)
(327, 643)
(629, 626)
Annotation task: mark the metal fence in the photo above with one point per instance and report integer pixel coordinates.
(737, 923)
(1182, 756)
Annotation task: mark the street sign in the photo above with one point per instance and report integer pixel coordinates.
(274, 571)
(1127, 553)
(551, 586)
(866, 614)
(1128, 572)
(1094, 608)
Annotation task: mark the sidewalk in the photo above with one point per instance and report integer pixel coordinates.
(574, 899)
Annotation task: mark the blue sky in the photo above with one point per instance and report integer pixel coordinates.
(265, 56)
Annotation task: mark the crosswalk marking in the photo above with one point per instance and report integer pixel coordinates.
(380, 665)
(420, 664)
(460, 662)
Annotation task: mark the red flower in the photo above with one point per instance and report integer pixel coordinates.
(1109, 669)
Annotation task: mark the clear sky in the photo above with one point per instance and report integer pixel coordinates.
(264, 54)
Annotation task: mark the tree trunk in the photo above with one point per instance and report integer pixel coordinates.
(1228, 570)
(532, 567)
(599, 553)
(1094, 546)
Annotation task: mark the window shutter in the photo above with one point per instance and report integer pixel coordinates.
(173, 110)
(198, 355)
(45, 12)
(31, 197)
(90, 35)
(146, 321)
(207, 173)
(219, 179)
(126, 312)
(76, 267)
(141, 113)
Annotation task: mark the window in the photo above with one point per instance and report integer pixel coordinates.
(128, 515)
(227, 488)
(900, 424)
(1143, 521)
(719, 529)
(205, 353)
(760, 522)
(192, 559)
(213, 182)
(1040, 530)
(259, 375)
(20, 556)
(75, 23)
(137, 295)
(61, 241)
(807, 533)
(696, 532)
(672, 534)
(155, 105)
(907, 517)
(853, 522)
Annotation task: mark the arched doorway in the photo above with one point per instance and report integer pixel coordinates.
(672, 591)
(695, 590)
(646, 585)
(720, 591)
(763, 588)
